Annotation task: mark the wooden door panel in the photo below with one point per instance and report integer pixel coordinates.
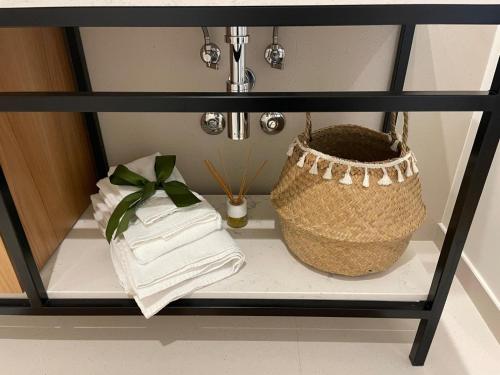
(46, 157)
(8, 280)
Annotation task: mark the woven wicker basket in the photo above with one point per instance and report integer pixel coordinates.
(349, 198)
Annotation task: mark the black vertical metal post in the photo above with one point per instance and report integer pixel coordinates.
(400, 66)
(79, 63)
(476, 172)
(18, 248)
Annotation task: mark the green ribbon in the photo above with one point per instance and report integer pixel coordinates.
(125, 210)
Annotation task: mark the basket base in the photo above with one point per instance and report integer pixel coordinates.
(342, 257)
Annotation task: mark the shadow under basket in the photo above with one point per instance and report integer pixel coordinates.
(349, 198)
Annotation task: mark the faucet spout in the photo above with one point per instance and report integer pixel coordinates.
(237, 37)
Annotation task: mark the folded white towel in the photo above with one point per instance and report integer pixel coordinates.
(146, 168)
(178, 273)
(174, 225)
(155, 247)
(158, 206)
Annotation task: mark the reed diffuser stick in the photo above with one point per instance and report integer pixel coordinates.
(245, 182)
(244, 175)
(245, 190)
(218, 178)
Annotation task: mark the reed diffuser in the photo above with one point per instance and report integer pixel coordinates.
(236, 204)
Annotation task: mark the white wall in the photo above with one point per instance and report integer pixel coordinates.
(319, 58)
(168, 59)
(443, 58)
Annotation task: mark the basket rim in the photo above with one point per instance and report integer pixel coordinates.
(351, 162)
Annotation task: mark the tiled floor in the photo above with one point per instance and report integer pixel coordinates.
(242, 345)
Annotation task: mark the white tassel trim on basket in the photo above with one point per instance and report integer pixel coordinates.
(409, 173)
(328, 173)
(385, 180)
(314, 168)
(408, 159)
(302, 160)
(366, 179)
(400, 174)
(347, 179)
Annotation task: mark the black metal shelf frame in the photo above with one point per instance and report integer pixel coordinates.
(395, 99)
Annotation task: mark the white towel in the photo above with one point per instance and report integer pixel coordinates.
(158, 206)
(178, 273)
(178, 235)
(146, 168)
(179, 223)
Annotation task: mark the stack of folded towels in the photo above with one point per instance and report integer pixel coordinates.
(167, 251)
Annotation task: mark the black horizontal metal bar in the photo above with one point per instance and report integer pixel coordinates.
(252, 15)
(14, 302)
(361, 101)
(16, 306)
(249, 307)
(16, 310)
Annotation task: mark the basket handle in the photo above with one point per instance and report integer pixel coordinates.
(308, 130)
(404, 136)
(394, 117)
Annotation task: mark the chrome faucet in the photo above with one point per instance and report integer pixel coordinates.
(241, 79)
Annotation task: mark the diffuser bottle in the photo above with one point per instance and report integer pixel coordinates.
(237, 216)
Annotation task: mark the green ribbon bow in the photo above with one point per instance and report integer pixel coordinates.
(125, 210)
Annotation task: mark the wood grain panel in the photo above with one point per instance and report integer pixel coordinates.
(46, 157)
(8, 279)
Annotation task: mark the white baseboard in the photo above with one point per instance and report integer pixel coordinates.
(476, 287)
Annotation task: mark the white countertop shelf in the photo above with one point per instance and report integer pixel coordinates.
(81, 267)
(171, 3)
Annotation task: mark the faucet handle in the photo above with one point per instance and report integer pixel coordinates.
(213, 123)
(272, 122)
(275, 53)
(210, 54)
